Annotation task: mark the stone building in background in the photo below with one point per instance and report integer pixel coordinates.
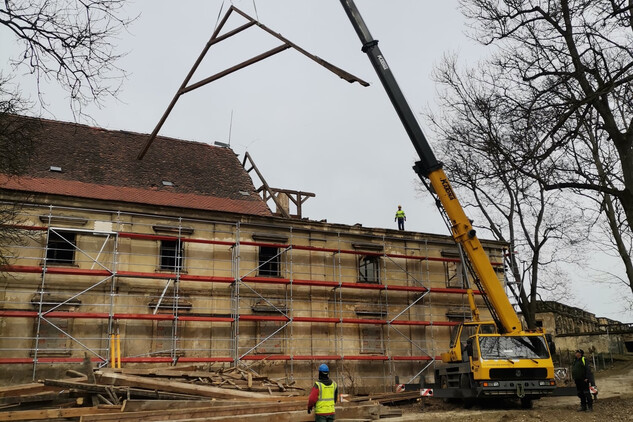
(572, 329)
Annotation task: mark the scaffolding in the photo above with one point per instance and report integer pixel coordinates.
(286, 294)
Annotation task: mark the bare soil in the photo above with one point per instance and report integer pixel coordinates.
(614, 404)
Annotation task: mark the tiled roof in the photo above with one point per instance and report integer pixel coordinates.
(101, 164)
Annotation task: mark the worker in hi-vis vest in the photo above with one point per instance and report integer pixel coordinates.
(323, 396)
(400, 217)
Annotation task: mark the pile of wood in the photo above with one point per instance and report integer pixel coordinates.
(225, 379)
(169, 394)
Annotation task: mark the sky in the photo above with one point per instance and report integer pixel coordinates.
(305, 128)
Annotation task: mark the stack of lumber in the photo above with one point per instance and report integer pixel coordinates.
(231, 378)
(169, 394)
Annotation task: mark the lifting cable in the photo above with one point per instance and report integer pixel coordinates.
(217, 20)
(256, 14)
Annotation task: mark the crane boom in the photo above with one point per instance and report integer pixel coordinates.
(431, 168)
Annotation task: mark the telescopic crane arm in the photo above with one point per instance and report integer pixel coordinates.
(431, 168)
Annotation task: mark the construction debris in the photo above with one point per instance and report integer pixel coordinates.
(173, 394)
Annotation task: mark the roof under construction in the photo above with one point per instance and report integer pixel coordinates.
(82, 161)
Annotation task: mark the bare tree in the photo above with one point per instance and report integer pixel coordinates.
(15, 149)
(612, 220)
(70, 42)
(15, 138)
(564, 70)
(476, 126)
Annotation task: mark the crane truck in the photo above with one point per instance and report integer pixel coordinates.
(487, 358)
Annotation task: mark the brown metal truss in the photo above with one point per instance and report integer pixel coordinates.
(297, 197)
(216, 38)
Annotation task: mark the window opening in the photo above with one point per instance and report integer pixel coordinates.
(369, 269)
(269, 262)
(171, 255)
(454, 273)
(61, 247)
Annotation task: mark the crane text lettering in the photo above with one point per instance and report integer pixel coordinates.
(448, 189)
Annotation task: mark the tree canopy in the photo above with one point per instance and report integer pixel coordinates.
(553, 109)
(69, 42)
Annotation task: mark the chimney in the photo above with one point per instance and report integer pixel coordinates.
(284, 201)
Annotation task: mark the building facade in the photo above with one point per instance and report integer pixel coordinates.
(180, 259)
(573, 328)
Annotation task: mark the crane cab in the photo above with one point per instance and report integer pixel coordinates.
(461, 342)
(482, 362)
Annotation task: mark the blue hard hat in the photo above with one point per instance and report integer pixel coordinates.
(324, 368)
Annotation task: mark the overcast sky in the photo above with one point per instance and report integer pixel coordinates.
(305, 128)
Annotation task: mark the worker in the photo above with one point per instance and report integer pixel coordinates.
(400, 218)
(323, 396)
(581, 373)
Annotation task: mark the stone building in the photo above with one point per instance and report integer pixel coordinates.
(179, 257)
(573, 328)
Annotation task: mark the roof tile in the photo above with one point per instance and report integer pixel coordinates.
(101, 164)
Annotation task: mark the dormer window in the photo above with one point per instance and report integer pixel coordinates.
(55, 169)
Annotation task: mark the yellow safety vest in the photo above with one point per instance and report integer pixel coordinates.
(399, 214)
(325, 404)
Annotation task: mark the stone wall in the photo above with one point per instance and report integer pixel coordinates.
(332, 276)
(573, 328)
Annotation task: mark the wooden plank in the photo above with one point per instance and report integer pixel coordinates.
(398, 397)
(390, 412)
(236, 379)
(151, 371)
(32, 388)
(296, 416)
(144, 405)
(364, 412)
(27, 415)
(141, 405)
(292, 416)
(206, 412)
(33, 398)
(24, 389)
(174, 386)
(259, 413)
(371, 411)
(132, 392)
(87, 368)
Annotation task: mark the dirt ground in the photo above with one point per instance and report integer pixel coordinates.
(614, 404)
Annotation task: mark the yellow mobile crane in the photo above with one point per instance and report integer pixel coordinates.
(486, 358)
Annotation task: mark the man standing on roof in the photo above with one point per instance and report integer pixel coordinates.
(400, 217)
(581, 373)
(323, 396)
